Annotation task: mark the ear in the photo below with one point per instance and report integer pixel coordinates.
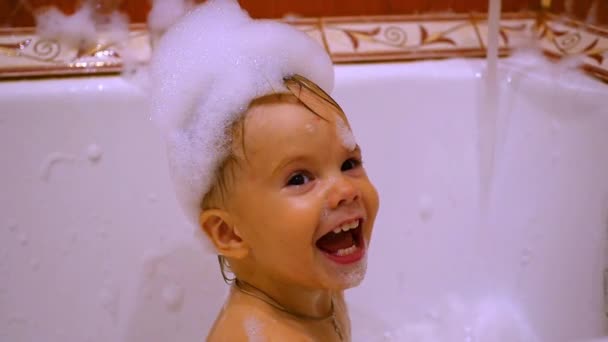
(219, 228)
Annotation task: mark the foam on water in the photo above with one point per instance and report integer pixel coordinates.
(492, 319)
(204, 73)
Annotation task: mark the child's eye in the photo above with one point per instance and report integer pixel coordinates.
(350, 164)
(298, 179)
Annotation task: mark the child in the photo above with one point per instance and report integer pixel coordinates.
(267, 163)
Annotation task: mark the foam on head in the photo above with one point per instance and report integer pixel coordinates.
(346, 135)
(206, 70)
(165, 13)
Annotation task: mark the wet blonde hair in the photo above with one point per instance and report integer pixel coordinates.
(224, 176)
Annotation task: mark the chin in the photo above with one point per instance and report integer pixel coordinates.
(350, 276)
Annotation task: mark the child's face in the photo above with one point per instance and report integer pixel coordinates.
(298, 184)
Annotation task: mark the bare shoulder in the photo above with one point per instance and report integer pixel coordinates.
(239, 322)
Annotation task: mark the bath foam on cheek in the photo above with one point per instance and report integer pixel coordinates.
(205, 71)
(354, 275)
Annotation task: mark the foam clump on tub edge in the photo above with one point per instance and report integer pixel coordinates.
(205, 71)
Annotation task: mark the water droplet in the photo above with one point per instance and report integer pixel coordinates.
(12, 225)
(74, 237)
(555, 126)
(109, 301)
(60, 333)
(152, 198)
(173, 296)
(94, 153)
(400, 280)
(102, 233)
(425, 207)
(35, 264)
(555, 156)
(17, 320)
(468, 334)
(147, 292)
(432, 315)
(23, 239)
(526, 256)
(51, 160)
(478, 74)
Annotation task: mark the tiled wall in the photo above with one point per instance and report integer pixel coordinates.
(18, 13)
(590, 11)
(355, 31)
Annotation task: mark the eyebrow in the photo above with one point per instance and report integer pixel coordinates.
(288, 161)
(302, 157)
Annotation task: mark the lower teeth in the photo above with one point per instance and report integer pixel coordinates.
(346, 251)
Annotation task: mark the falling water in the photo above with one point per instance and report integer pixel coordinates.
(487, 117)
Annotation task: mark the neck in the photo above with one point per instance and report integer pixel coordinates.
(294, 299)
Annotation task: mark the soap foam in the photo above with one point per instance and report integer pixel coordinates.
(206, 70)
(490, 319)
(73, 30)
(165, 13)
(346, 135)
(353, 275)
(84, 28)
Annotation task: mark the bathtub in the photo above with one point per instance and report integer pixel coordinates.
(95, 248)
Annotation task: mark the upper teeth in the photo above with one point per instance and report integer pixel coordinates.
(347, 226)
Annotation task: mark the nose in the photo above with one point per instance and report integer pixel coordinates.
(342, 192)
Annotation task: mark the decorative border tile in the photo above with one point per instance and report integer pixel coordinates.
(563, 37)
(346, 39)
(416, 37)
(24, 54)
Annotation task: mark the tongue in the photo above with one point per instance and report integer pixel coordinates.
(332, 242)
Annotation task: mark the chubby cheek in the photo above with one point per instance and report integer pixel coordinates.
(371, 201)
(294, 223)
(301, 215)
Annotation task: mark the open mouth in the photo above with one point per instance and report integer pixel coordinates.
(344, 244)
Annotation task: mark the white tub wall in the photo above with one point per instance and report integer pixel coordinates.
(100, 251)
(545, 243)
(107, 255)
(420, 153)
